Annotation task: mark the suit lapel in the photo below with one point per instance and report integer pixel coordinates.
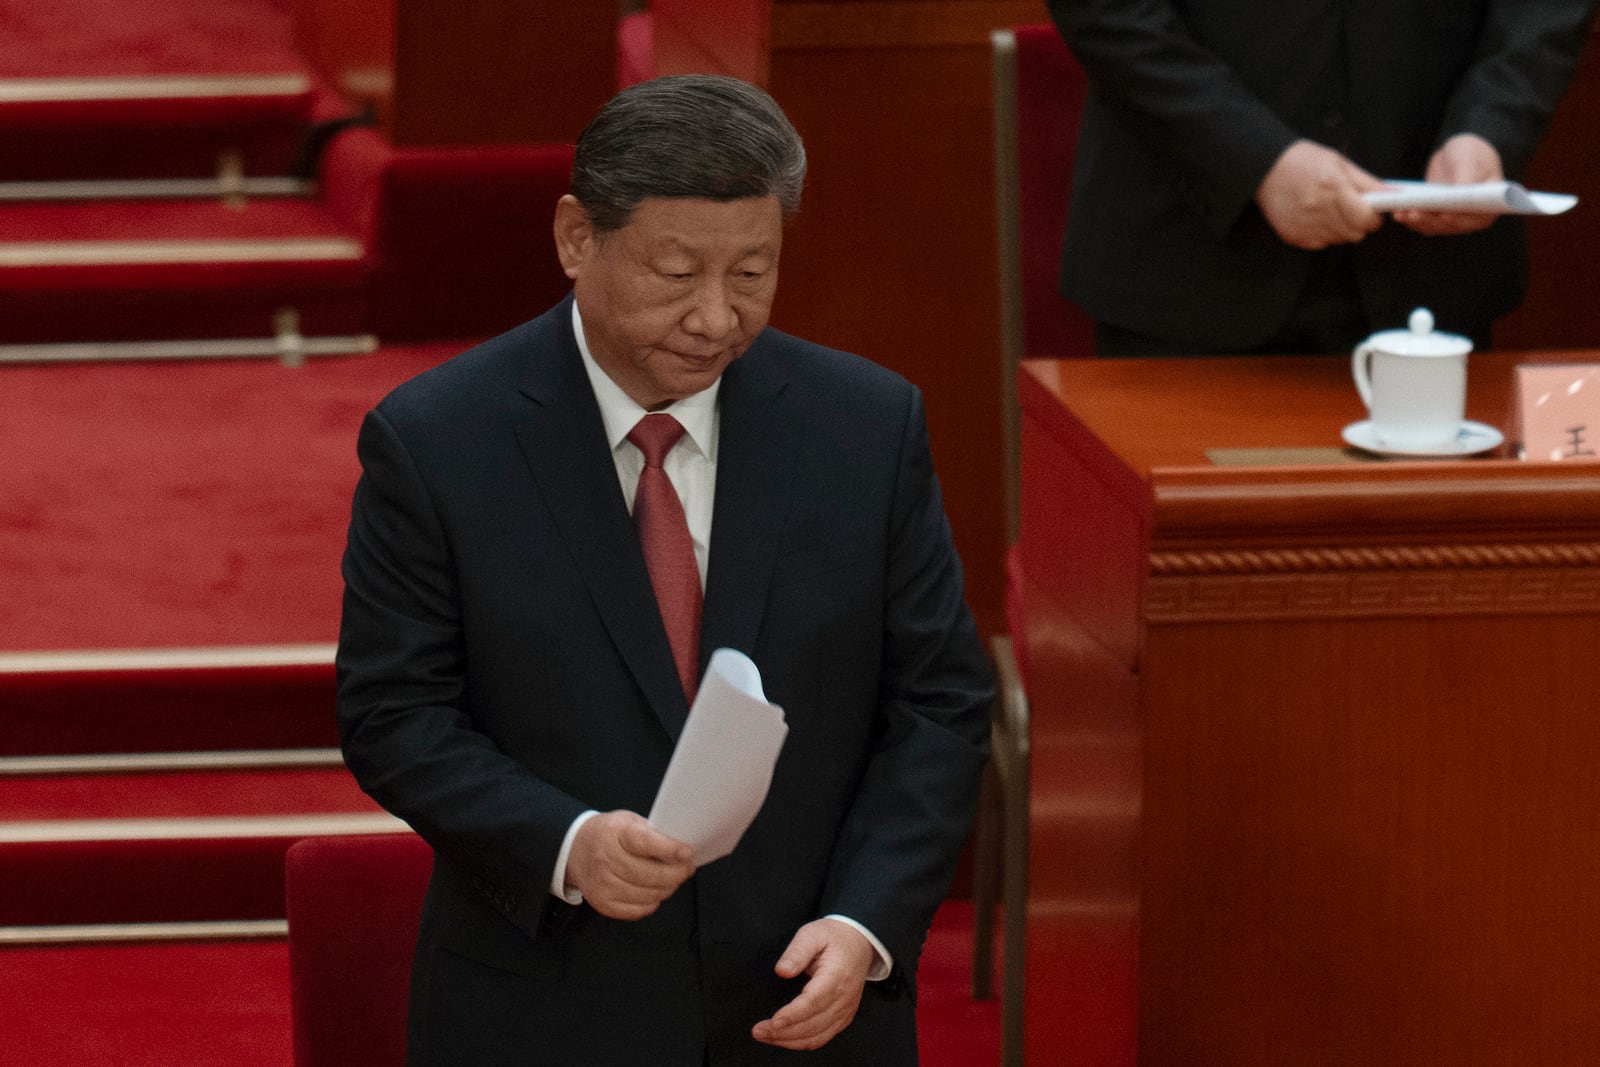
(564, 443)
(755, 457)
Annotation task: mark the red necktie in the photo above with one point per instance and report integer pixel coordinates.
(668, 549)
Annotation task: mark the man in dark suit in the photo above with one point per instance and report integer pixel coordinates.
(514, 669)
(1226, 144)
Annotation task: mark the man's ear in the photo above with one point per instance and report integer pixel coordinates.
(574, 235)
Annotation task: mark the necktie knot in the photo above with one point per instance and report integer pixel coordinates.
(654, 435)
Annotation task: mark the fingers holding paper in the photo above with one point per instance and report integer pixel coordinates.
(624, 867)
(1465, 159)
(1312, 197)
(838, 959)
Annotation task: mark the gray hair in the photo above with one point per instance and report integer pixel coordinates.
(697, 135)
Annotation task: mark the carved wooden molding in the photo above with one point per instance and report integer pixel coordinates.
(1374, 558)
(1371, 593)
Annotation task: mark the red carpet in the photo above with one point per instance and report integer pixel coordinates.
(193, 1005)
(227, 1004)
(182, 794)
(181, 504)
(88, 38)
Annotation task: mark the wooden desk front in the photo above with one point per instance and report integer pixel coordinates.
(1316, 748)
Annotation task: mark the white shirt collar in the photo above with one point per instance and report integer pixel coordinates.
(619, 412)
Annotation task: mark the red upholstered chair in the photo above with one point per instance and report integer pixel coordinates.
(1039, 93)
(636, 49)
(353, 905)
(458, 239)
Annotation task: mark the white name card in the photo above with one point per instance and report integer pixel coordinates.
(1558, 411)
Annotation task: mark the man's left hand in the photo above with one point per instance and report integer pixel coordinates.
(1464, 159)
(838, 960)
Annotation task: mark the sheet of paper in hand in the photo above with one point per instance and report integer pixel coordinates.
(719, 774)
(1485, 198)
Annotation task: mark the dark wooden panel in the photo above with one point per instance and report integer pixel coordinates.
(894, 252)
(1371, 842)
(464, 72)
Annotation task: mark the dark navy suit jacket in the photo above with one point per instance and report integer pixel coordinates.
(503, 667)
(1192, 101)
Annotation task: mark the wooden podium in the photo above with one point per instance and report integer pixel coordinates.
(1316, 740)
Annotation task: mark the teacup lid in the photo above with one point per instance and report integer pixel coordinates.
(1420, 339)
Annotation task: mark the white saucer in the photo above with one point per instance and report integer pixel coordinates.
(1470, 439)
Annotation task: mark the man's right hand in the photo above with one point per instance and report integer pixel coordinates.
(1312, 197)
(624, 867)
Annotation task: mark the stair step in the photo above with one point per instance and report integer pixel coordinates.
(149, 1004)
(198, 828)
(123, 933)
(271, 697)
(290, 350)
(147, 127)
(234, 193)
(292, 85)
(34, 254)
(133, 270)
(161, 219)
(180, 846)
(185, 804)
(164, 762)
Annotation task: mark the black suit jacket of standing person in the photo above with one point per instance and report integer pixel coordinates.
(503, 667)
(1191, 102)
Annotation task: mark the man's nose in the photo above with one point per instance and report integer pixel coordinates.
(713, 314)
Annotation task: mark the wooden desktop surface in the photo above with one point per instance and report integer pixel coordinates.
(1315, 747)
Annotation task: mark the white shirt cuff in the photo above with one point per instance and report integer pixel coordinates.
(558, 877)
(880, 966)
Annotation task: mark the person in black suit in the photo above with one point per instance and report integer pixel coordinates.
(508, 685)
(1216, 201)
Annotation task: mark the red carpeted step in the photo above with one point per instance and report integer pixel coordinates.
(106, 798)
(204, 701)
(58, 129)
(88, 38)
(135, 269)
(181, 504)
(172, 847)
(220, 1004)
(227, 1004)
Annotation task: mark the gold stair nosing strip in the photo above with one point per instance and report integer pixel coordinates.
(137, 253)
(221, 657)
(199, 827)
(225, 348)
(92, 933)
(163, 762)
(52, 90)
(154, 189)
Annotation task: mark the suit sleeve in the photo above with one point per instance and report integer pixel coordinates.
(1182, 99)
(914, 807)
(1525, 57)
(407, 734)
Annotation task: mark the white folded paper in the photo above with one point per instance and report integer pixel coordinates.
(1487, 198)
(720, 772)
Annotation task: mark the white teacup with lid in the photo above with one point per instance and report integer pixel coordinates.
(1414, 383)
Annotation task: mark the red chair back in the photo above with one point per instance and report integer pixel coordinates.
(353, 905)
(1050, 92)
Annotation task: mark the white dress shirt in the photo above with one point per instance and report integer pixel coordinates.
(691, 466)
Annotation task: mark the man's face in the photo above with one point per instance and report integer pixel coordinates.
(677, 294)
